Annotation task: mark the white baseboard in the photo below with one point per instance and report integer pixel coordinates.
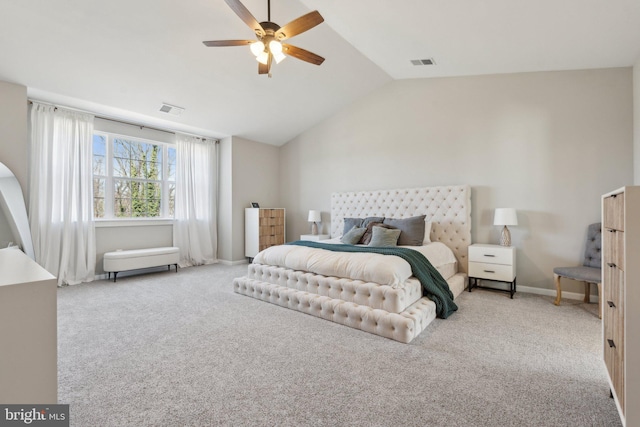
(225, 262)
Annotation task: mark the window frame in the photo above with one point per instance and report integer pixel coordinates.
(110, 180)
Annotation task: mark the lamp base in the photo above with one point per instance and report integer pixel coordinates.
(505, 237)
(314, 229)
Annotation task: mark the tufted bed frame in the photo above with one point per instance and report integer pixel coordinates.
(399, 314)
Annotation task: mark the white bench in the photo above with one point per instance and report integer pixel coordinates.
(117, 261)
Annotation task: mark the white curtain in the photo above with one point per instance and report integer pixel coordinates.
(194, 229)
(61, 196)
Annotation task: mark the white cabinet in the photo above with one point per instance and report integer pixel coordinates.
(263, 228)
(621, 293)
(28, 331)
(492, 262)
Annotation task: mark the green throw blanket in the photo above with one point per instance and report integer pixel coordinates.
(433, 284)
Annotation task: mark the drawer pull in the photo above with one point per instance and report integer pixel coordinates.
(612, 265)
(611, 231)
(611, 343)
(489, 255)
(489, 271)
(611, 304)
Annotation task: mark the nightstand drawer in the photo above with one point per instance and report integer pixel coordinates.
(491, 254)
(484, 270)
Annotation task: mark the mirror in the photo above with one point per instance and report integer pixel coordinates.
(14, 211)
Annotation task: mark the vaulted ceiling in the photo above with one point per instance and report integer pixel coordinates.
(124, 58)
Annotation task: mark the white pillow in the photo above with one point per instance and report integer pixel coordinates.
(427, 232)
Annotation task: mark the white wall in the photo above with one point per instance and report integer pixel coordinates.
(548, 144)
(636, 122)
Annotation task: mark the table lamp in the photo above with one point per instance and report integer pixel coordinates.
(314, 217)
(505, 216)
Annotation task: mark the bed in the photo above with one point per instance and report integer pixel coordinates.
(345, 288)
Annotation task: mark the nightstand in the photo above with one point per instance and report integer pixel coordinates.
(492, 262)
(314, 237)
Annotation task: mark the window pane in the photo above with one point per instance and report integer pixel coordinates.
(98, 207)
(99, 154)
(171, 164)
(122, 208)
(172, 200)
(137, 177)
(98, 197)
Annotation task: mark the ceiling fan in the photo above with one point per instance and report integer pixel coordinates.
(269, 46)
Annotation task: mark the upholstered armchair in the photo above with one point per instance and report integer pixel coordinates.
(590, 271)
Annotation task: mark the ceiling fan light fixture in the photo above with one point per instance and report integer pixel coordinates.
(263, 58)
(269, 47)
(257, 48)
(278, 56)
(275, 47)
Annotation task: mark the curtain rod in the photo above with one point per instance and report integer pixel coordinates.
(128, 123)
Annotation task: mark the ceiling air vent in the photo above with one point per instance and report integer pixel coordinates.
(428, 61)
(171, 109)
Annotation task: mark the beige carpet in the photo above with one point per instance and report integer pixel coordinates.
(167, 349)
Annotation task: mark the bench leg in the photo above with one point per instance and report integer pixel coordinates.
(176, 267)
(600, 300)
(115, 276)
(556, 278)
(587, 288)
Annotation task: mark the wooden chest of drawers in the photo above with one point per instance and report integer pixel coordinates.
(621, 294)
(263, 228)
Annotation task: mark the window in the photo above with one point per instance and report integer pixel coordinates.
(132, 177)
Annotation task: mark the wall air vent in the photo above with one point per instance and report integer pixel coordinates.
(171, 109)
(428, 61)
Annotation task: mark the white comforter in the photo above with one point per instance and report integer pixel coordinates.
(368, 267)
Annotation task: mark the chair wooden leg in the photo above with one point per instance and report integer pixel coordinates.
(556, 278)
(600, 300)
(587, 288)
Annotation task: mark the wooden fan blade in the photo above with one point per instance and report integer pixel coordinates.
(302, 54)
(246, 16)
(213, 43)
(263, 68)
(299, 25)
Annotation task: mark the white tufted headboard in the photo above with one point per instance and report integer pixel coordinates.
(448, 208)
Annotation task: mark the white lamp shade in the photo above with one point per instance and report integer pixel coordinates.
(505, 216)
(278, 56)
(257, 48)
(263, 58)
(314, 216)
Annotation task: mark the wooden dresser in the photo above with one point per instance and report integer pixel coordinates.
(262, 228)
(621, 293)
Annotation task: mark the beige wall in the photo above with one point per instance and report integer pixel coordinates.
(13, 143)
(636, 122)
(548, 144)
(225, 203)
(13, 131)
(255, 179)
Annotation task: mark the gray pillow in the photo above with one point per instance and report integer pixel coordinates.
(353, 236)
(382, 237)
(412, 229)
(366, 237)
(349, 223)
